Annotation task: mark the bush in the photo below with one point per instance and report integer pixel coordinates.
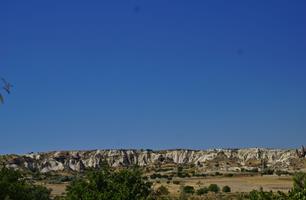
(299, 181)
(176, 182)
(228, 175)
(202, 191)
(108, 184)
(218, 174)
(262, 195)
(267, 171)
(280, 172)
(226, 189)
(154, 176)
(188, 189)
(214, 188)
(14, 187)
(162, 191)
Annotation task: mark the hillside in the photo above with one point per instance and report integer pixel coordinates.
(227, 160)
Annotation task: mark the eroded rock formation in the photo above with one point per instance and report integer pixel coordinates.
(207, 160)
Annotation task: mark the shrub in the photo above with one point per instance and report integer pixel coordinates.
(218, 174)
(176, 182)
(161, 191)
(154, 176)
(14, 187)
(267, 171)
(188, 189)
(214, 188)
(226, 189)
(280, 172)
(202, 191)
(299, 181)
(105, 184)
(228, 175)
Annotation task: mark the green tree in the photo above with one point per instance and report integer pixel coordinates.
(298, 191)
(14, 187)
(214, 188)
(203, 190)
(108, 184)
(162, 191)
(188, 189)
(226, 189)
(299, 181)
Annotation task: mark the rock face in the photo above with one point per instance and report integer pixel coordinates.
(207, 160)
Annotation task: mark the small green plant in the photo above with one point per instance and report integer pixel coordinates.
(202, 191)
(267, 171)
(176, 182)
(226, 189)
(228, 175)
(162, 191)
(188, 189)
(214, 188)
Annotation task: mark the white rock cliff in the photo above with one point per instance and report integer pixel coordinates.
(223, 159)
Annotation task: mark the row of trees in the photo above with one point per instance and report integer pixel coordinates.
(109, 184)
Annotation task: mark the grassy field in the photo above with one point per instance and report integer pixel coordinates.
(237, 183)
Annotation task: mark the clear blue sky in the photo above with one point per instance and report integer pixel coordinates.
(153, 74)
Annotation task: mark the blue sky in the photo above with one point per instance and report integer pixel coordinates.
(152, 74)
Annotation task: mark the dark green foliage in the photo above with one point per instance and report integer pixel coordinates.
(202, 191)
(161, 191)
(254, 170)
(280, 172)
(267, 171)
(14, 187)
(181, 173)
(262, 195)
(299, 181)
(188, 189)
(107, 184)
(228, 175)
(226, 189)
(298, 191)
(154, 176)
(214, 188)
(218, 174)
(299, 187)
(200, 175)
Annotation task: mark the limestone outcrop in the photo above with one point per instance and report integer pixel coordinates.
(206, 160)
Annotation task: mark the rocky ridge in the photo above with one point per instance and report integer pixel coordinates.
(207, 160)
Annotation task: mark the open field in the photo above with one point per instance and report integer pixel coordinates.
(237, 183)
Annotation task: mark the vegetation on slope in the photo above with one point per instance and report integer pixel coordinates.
(129, 184)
